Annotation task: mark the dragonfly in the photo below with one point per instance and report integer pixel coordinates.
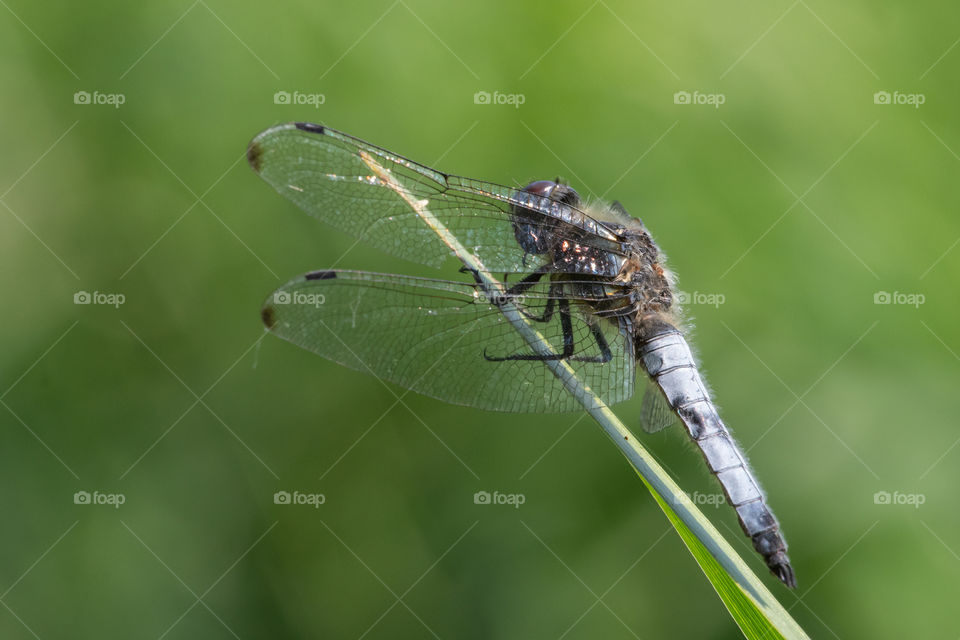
(587, 276)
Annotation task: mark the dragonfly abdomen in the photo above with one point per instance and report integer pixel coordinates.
(670, 364)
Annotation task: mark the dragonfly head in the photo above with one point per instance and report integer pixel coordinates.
(534, 233)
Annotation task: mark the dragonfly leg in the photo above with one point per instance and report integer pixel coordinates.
(521, 286)
(527, 282)
(605, 354)
(566, 326)
(553, 295)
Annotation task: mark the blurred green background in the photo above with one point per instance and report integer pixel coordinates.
(797, 200)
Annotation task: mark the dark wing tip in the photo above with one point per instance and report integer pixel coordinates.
(321, 275)
(310, 127)
(269, 316)
(255, 155)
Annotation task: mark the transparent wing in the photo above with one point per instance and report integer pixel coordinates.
(443, 339)
(655, 411)
(328, 174)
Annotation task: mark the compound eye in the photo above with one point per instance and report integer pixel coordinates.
(554, 190)
(541, 188)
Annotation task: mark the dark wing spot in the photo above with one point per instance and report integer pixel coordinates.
(310, 127)
(255, 155)
(269, 316)
(321, 275)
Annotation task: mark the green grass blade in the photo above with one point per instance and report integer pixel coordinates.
(773, 623)
(750, 603)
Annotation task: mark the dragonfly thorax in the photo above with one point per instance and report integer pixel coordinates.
(574, 252)
(530, 230)
(651, 282)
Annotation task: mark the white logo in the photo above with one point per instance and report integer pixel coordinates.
(497, 299)
(485, 497)
(713, 499)
(885, 497)
(97, 297)
(712, 99)
(296, 97)
(113, 499)
(697, 297)
(485, 97)
(312, 499)
(85, 97)
(912, 299)
(299, 297)
(913, 99)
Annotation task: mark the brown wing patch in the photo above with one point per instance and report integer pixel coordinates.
(269, 316)
(255, 155)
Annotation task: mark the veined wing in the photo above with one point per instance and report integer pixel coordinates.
(446, 340)
(334, 177)
(656, 413)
